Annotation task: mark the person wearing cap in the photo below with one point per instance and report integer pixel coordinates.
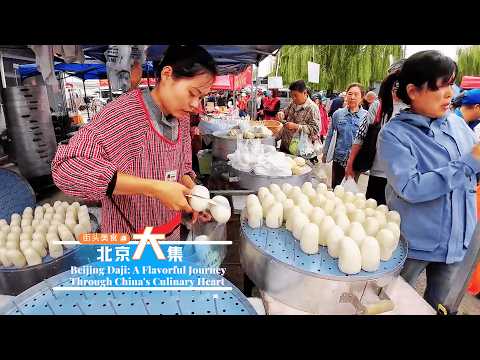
(467, 106)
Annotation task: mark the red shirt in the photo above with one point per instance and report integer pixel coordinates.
(122, 137)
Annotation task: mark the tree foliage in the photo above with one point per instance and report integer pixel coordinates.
(339, 64)
(468, 61)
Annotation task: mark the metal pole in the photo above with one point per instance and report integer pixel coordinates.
(2, 72)
(85, 92)
(278, 62)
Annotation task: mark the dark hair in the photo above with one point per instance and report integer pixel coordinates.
(360, 86)
(298, 85)
(186, 61)
(425, 67)
(457, 101)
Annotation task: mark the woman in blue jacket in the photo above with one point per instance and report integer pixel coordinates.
(431, 163)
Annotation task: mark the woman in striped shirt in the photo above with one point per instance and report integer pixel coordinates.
(135, 156)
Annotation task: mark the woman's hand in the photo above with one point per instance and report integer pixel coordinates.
(171, 194)
(203, 216)
(280, 116)
(292, 126)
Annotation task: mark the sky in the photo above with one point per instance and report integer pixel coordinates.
(449, 50)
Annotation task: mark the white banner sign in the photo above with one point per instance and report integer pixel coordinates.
(313, 72)
(275, 82)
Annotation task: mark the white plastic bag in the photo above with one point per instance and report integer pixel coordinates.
(331, 146)
(349, 184)
(305, 146)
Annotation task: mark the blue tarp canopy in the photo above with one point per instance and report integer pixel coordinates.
(82, 71)
(231, 59)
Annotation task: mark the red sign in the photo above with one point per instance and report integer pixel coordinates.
(243, 79)
(470, 82)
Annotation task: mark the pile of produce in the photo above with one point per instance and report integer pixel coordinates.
(29, 237)
(356, 231)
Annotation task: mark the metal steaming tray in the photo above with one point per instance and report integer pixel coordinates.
(280, 245)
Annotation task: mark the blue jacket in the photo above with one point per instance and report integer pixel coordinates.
(431, 182)
(346, 123)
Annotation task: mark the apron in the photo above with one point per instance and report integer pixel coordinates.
(161, 159)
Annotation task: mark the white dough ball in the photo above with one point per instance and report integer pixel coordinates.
(371, 226)
(267, 202)
(369, 212)
(328, 206)
(280, 196)
(28, 211)
(318, 200)
(370, 251)
(329, 195)
(359, 203)
(26, 222)
(274, 188)
(13, 236)
(371, 204)
(252, 199)
(339, 191)
(4, 259)
(255, 216)
(3, 222)
(292, 215)
(12, 244)
(309, 239)
(200, 197)
(321, 188)
(356, 232)
(70, 223)
(394, 216)
(40, 237)
(5, 228)
(333, 238)
(16, 257)
(381, 218)
(350, 257)
(294, 192)
(15, 218)
(298, 225)
(32, 257)
(15, 229)
(317, 215)
(24, 244)
(395, 229)
(286, 188)
(221, 212)
(383, 208)
(39, 248)
(306, 208)
(386, 240)
(262, 191)
(348, 197)
(274, 218)
(357, 215)
(342, 221)
(57, 204)
(288, 204)
(325, 226)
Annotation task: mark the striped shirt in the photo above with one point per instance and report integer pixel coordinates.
(122, 138)
(307, 115)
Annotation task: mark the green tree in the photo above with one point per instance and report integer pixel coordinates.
(339, 64)
(468, 62)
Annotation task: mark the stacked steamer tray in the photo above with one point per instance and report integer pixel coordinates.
(251, 181)
(16, 195)
(274, 260)
(42, 300)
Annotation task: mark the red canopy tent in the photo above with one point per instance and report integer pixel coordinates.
(470, 82)
(233, 82)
